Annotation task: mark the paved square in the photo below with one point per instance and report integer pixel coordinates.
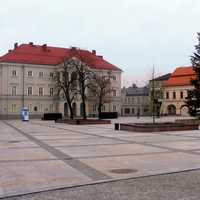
(40, 155)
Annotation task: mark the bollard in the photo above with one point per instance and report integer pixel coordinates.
(117, 127)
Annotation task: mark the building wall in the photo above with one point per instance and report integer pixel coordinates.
(175, 101)
(14, 89)
(133, 105)
(12, 100)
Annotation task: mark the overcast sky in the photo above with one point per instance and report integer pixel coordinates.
(132, 34)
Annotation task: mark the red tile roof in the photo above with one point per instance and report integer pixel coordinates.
(181, 77)
(46, 55)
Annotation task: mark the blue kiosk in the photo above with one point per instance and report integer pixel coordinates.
(24, 114)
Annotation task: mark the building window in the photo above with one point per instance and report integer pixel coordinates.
(181, 95)
(127, 110)
(14, 73)
(94, 107)
(103, 108)
(146, 110)
(167, 95)
(35, 109)
(30, 107)
(30, 74)
(14, 89)
(41, 74)
(40, 91)
(174, 95)
(114, 108)
(41, 108)
(51, 74)
(30, 92)
(133, 111)
(114, 78)
(14, 108)
(51, 91)
(114, 93)
(51, 108)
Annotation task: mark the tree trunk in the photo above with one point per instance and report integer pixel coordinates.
(99, 107)
(71, 112)
(70, 106)
(99, 110)
(84, 109)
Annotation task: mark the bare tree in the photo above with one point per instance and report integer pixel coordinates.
(66, 82)
(101, 88)
(84, 75)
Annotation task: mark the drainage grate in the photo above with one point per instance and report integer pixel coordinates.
(124, 171)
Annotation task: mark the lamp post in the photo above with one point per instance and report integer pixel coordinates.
(153, 94)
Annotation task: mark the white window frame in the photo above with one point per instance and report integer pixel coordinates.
(41, 91)
(31, 89)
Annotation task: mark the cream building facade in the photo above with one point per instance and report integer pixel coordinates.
(175, 91)
(26, 80)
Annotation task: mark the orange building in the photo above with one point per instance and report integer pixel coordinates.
(175, 91)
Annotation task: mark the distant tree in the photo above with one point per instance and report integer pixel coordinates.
(66, 83)
(101, 89)
(193, 97)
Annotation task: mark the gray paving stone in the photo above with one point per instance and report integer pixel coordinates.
(41, 155)
(178, 186)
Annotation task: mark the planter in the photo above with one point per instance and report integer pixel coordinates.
(83, 121)
(158, 127)
(188, 121)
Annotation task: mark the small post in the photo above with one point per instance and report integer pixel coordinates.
(117, 126)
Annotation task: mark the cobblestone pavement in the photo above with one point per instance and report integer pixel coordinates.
(41, 155)
(177, 186)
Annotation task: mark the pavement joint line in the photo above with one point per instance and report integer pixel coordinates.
(61, 139)
(126, 141)
(87, 157)
(76, 164)
(90, 145)
(20, 147)
(124, 155)
(32, 160)
(113, 180)
(177, 135)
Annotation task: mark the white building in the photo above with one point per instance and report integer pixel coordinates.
(26, 80)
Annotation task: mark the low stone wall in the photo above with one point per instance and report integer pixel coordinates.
(188, 121)
(83, 121)
(158, 127)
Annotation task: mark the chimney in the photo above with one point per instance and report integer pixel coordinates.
(15, 45)
(101, 57)
(44, 47)
(31, 43)
(73, 48)
(94, 52)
